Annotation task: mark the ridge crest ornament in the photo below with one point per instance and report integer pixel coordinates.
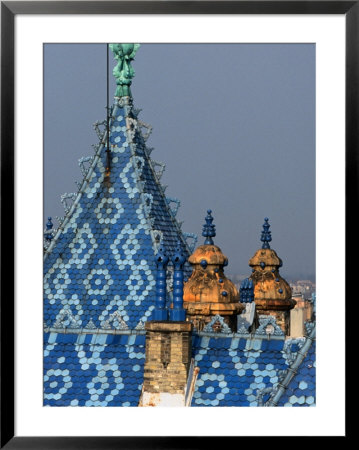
(212, 326)
(123, 72)
(90, 325)
(115, 319)
(140, 326)
(268, 326)
(65, 319)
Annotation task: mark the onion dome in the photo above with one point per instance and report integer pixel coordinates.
(271, 291)
(208, 291)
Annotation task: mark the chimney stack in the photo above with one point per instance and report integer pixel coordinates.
(167, 375)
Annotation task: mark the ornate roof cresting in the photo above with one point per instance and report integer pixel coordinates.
(268, 326)
(217, 325)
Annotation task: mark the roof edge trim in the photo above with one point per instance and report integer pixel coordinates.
(292, 370)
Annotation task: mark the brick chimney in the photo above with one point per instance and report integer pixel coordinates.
(168, 361)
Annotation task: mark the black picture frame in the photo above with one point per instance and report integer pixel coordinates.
(9, 9)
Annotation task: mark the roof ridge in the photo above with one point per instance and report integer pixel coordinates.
(93, 228)
(128, 108)
(141, 186)
(292, 369)
(85, 181)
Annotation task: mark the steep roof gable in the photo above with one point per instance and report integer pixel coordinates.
(101, 261)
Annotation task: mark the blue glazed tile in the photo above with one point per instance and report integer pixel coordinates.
(94, 209)
(275, 345)
(242, 344)
(140, 340)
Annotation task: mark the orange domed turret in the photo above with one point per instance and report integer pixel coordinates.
(208, 291)
(272, 294)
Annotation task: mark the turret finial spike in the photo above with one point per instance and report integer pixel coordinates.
(48, 232)
(177, 313)
(266, 234)
(209, 229)
(160, 312)
(49, 223)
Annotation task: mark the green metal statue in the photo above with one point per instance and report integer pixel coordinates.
(123, 72)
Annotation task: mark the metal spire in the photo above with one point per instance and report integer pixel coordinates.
(266, 234)
(108, 154)
(209, 230)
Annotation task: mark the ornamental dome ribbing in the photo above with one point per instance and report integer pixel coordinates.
(208, 291)
(271, 291)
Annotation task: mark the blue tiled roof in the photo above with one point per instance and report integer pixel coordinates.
(235, 371)
(107, 370)
(99, 288)
(301, 390)
(93, 370)
(102, 260)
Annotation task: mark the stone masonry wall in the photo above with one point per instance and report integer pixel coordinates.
(168, 356)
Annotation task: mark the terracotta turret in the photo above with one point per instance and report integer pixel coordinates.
(208, 291)
(272, 294)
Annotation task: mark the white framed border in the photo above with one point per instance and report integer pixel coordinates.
(328, 33)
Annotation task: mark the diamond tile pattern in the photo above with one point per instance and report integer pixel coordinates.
(93, 370)
(107, 370)
(103, 261)
(235, 371)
